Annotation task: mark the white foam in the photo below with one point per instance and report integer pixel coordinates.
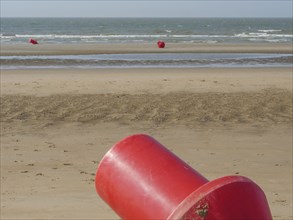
(267, 31)
(262, 35)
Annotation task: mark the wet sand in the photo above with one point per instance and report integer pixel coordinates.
(67, 49)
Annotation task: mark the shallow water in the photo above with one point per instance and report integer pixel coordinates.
(148, 60)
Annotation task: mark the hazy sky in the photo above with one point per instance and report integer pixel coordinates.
(151, 8)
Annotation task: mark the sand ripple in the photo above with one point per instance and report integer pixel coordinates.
(267, 106)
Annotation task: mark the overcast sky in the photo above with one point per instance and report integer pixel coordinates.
(151, 8)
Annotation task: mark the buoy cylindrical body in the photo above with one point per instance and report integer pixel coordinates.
(161, 44)
(33, 41)
(141, 179)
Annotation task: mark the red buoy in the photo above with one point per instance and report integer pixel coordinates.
(161, 44)
(33, 41)
(141, 179)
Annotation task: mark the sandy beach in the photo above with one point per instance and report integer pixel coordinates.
(56, 125)
(68, 49)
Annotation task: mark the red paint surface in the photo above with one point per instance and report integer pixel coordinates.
(140, 179)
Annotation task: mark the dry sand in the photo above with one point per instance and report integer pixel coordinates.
(57, 124)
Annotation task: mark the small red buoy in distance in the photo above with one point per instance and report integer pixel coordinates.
(33, 41)
(161, 44)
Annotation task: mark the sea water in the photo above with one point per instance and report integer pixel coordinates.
(148, 60)
(135, 30)
(146, 30)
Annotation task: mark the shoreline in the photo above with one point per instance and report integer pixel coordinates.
(87, 49)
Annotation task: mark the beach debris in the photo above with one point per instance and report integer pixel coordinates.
(161, 44)
(33, 41)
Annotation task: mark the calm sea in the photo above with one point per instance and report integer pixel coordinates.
(127, 30)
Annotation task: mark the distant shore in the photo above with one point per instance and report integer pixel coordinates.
(71, 49)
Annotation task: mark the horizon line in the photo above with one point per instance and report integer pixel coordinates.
(135, 17)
